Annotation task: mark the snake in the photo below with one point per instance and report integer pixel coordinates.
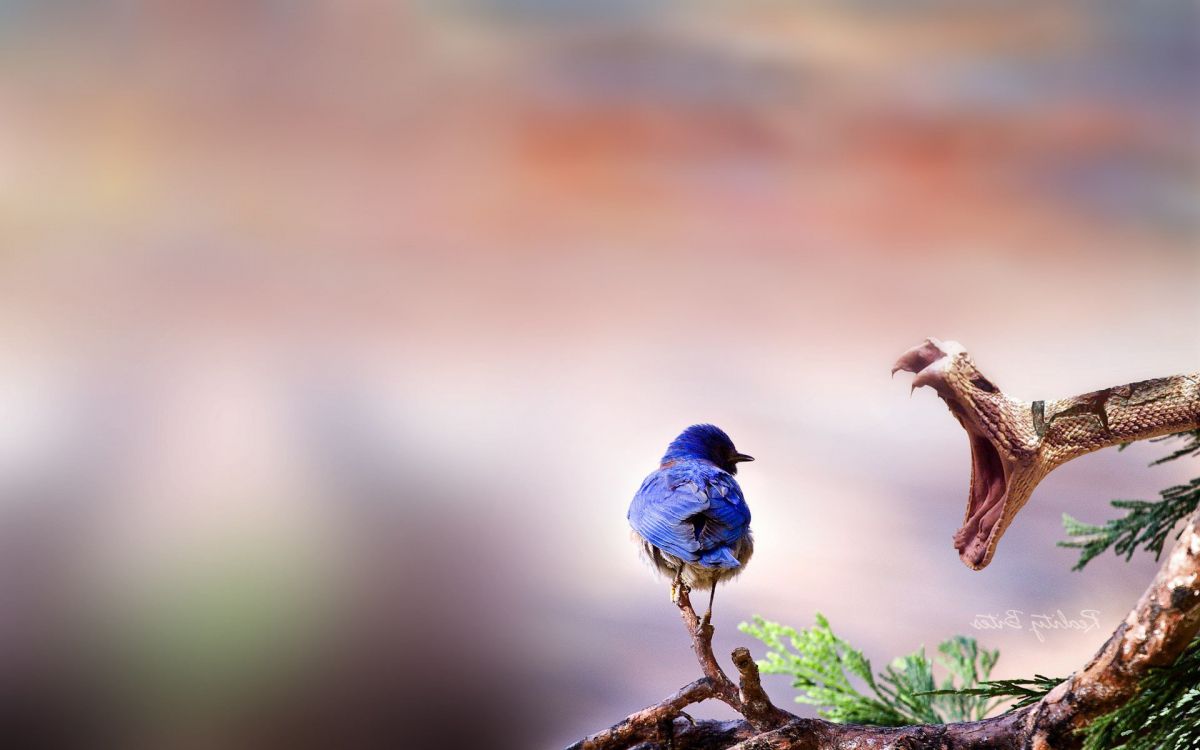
(1015, 444)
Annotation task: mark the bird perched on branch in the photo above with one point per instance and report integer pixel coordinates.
(690, 517)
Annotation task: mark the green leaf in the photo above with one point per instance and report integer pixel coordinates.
(830, 673)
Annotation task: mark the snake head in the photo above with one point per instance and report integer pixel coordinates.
(1004, 469)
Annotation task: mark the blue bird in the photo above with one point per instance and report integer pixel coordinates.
(690, 517)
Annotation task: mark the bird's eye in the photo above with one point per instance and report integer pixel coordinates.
(983, 383)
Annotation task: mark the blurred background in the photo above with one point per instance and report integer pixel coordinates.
(335, 339)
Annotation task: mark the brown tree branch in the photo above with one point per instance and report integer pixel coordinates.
(1157, 630)
(647, 724)
(999, 733)
(701, 635)
(707, 735)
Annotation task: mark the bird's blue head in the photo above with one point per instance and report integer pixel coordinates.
(706, 442)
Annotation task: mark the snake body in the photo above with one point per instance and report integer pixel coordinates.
(1016, 443)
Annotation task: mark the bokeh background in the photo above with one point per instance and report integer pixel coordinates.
(335, 339)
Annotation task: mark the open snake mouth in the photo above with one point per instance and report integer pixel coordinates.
(986, 501)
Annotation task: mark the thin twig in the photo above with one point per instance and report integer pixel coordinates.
(756, 704)
(701, 635)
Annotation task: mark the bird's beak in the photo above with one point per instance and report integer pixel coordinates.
(741, 458)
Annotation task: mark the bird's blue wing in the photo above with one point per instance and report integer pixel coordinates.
(695, 516)
(660, 512)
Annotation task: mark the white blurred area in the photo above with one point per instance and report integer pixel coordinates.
(334, 340)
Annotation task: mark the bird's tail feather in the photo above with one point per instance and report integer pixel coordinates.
(721, 557)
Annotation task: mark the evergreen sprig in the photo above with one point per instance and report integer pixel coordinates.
(838, 678)
(1191, 446)
(1021, 692)
(1146, 523)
